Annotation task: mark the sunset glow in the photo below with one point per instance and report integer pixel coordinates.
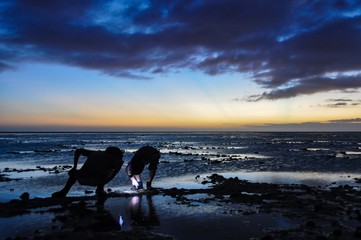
(209, 65)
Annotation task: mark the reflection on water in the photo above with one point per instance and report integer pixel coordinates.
(307, 178)
(140, 215)
(183, 154)
(157, 213)
(301, 158)
(121, 221)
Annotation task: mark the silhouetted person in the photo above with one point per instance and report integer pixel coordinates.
(99, 169)
(146, 155)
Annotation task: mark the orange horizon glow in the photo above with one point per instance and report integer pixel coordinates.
(168, 105)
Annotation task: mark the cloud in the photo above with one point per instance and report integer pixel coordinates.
(288, 48)
(341, 125)
(340, 102)
(351, 120)
(336, 105)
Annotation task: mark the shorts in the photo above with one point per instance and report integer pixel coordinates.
(135, 168)
(87, 180)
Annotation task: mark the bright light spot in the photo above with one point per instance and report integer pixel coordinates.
(134, 182)
(121, 221)
(135, 201)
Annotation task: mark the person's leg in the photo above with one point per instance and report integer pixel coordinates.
(100, 190)
(100, 183)
(63, 192)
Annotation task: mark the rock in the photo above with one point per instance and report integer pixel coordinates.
(25, 196)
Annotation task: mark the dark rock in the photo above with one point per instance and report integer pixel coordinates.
(25, 196)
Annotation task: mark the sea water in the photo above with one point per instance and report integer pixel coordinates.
(37, 163)
(37, 160)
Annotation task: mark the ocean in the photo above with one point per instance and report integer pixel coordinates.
(39, 161)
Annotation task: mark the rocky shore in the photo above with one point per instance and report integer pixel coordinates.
(320, 213)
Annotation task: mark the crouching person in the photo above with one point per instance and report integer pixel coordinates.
(99, 168)
(146, 155)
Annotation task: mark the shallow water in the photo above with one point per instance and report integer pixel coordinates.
(317, 159)
(162, 215)
(268, 157)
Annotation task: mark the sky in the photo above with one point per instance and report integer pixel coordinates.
(129, 65)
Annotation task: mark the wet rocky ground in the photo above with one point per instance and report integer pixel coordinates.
(321, 213)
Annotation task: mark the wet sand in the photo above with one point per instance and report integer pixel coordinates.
(228, 208)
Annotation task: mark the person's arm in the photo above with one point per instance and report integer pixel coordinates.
(117, 166)
(78, 152)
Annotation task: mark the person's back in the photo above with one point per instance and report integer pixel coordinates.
(146, 155)
(99, 167)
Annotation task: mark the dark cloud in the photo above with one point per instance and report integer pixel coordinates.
(310, 86)
(343, 102)
(340, 103)
(339, 100)
(353, 124)
(287, 47)
(336, 105)
(351, 120)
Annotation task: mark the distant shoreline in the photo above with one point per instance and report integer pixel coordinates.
(172, 131)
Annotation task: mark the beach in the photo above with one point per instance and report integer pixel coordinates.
(208, 186)
(227, 208)
(185, 120)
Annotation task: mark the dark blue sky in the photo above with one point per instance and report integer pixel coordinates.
(285, 48)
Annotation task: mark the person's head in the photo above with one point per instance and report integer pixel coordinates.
(114, 152)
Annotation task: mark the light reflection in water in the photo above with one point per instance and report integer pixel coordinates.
(121, 221)
(308, 178)
(139, 213)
